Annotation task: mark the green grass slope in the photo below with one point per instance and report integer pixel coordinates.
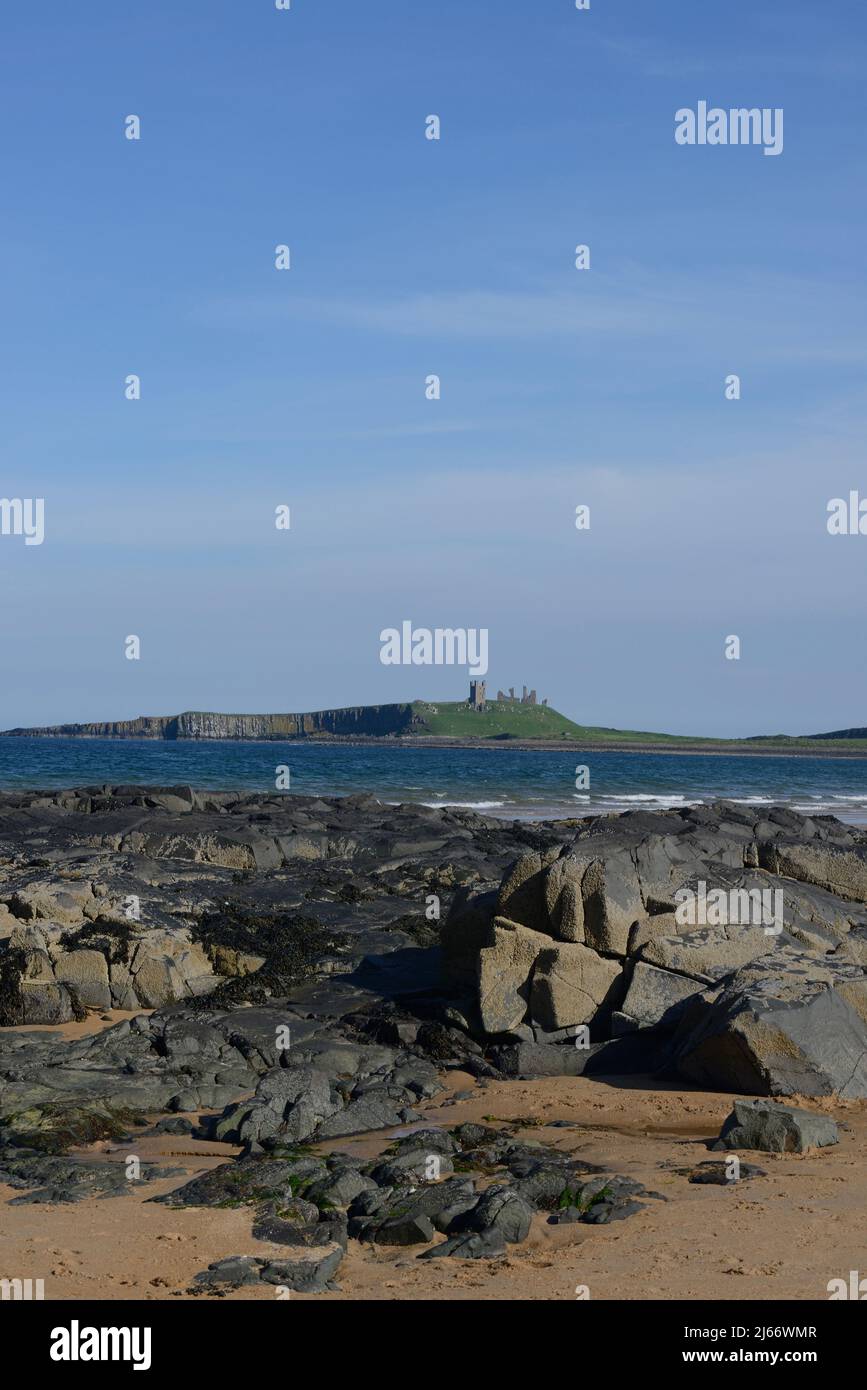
(507, 718)
(510, 719)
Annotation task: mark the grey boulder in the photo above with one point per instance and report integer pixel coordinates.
(774, 1128)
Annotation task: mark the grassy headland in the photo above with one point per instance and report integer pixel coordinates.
(503, 723)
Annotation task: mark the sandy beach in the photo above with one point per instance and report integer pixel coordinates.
(783, 1236)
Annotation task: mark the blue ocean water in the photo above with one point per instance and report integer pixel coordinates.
(512, 782)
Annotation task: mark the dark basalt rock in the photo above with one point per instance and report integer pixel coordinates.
(52, 1179)
(250, 1181)
(717, 1173)
(471, 1245)
(600, 1201)
(775, 1128)
(410, 1228)
(501, 1208)
(304, 1271)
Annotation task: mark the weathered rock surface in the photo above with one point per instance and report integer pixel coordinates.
(195, 903)
(790, 1024)
(704, 921)
(304, 1271)
(142, 897)
(658, 996)
(571, 983)
(758, 1124)
(506, 966)
(49, 1179)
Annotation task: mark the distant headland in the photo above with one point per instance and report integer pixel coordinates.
(508, 721)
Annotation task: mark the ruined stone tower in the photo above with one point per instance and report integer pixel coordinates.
(478, 695)
(528, 697)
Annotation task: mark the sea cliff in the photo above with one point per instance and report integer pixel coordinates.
(360, 720)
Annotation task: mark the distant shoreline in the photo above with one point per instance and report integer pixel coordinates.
(503, 723)
(745, 750)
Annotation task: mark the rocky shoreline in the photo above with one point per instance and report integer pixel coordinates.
(300, 972)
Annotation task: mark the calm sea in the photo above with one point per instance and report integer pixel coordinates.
(502, 781)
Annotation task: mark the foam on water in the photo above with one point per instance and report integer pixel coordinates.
(517, 783)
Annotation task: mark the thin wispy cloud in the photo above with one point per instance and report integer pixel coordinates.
(774, 317)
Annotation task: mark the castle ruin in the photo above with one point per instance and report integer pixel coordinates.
(478, 695)
(528, 697)
(479, 700)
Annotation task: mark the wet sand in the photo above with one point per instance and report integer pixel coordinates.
(94, 1023)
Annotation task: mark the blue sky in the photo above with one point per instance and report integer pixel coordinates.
(412, 257)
